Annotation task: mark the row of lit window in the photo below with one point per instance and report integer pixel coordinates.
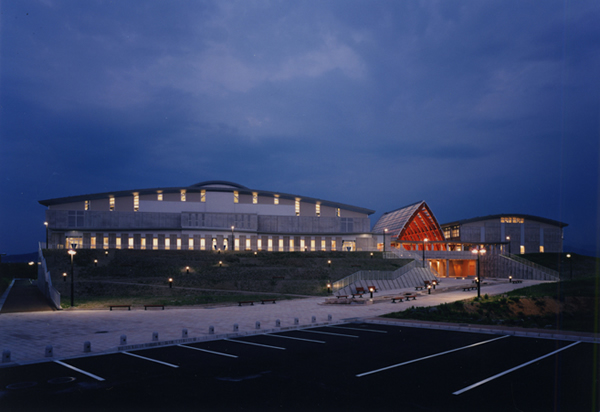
(119, 244)
(512, 220)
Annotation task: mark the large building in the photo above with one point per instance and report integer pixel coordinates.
(213, 215)
(517, 233)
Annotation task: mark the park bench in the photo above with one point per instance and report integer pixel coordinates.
(357, 294)
(517, 281)
(154, 306)
(120, 306)
(360, 289)
(262, 301)
(342, 296)
(397, 298)
(419, 287)
(407, 297)
(468, 288)
(251, 302)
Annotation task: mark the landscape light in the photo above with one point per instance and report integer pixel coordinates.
(170, 282)
(65, 276)
(187, 269)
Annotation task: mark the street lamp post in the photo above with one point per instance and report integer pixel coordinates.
(479, 252)
(72, 253)
(508, 240)
(570, 266)
(424, 240)
(46, 224)
(384, 232)
(232, 248)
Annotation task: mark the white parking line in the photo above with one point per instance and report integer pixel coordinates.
(254, 344)
(430, 356)
(327, 333)
(150, 359)
(291, 337)
(491, 378)
(208, 351)
(365, 330)
(91, 375)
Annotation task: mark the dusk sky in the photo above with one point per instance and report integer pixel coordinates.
(476, 107)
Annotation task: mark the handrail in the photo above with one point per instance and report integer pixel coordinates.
(45, 281)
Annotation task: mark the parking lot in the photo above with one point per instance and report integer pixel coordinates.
(348, 366)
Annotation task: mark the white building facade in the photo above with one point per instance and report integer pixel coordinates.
(211, 216)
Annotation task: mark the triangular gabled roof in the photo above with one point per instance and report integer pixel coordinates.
(414, 222)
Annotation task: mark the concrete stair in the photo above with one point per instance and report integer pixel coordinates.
(415, 277)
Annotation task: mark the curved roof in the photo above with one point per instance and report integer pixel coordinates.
(492, 217)
(211, 186)
(414, 222)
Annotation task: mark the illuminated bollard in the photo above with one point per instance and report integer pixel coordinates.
(123, 340)
(87, 346)
(5, 356)
(257, 325)
(49, 351)
(211, 330)
(184, 333)
(236, 327)
(154, 336)
(277, 323)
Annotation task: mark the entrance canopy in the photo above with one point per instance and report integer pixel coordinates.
(411, 223)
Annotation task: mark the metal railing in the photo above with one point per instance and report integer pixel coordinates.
(372, 275)
(551, 272)
(44, 282)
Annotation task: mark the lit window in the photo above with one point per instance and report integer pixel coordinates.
(280, 244)
(202, 243)
(236, 243)
(248, 244)
(160, 196)
(259, 244)
(270, 244)
(522, 249)
(130, 243)
(183, 195)
(178, 243)
(456, 231)
(136, 202)
(312, 245)
(112, 203)
(276, 200)
(302, 245)
(203, 196)
(119, 242)
(291, 244)
(236, 197)
(512, 220)
(254, 197)
(318, 209)
(338, 212)
(93, 242)
(541, 249)
(333, 245)
(167, 243)
(155, 243)
(323, 245)
(105, 242)
(191, 243)
(297, 206)
(87, 205)
(143, 246)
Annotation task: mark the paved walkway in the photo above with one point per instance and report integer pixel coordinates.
(26, 335)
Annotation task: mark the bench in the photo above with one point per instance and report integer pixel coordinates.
(419, 287)
(517, 281)
(360, 289)
(397, 298)
(262, 301)
(342, 296)
(357, 294)
(251, 302)
(120, 306)
(154, 306)
(407, 297)
(469, 288)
